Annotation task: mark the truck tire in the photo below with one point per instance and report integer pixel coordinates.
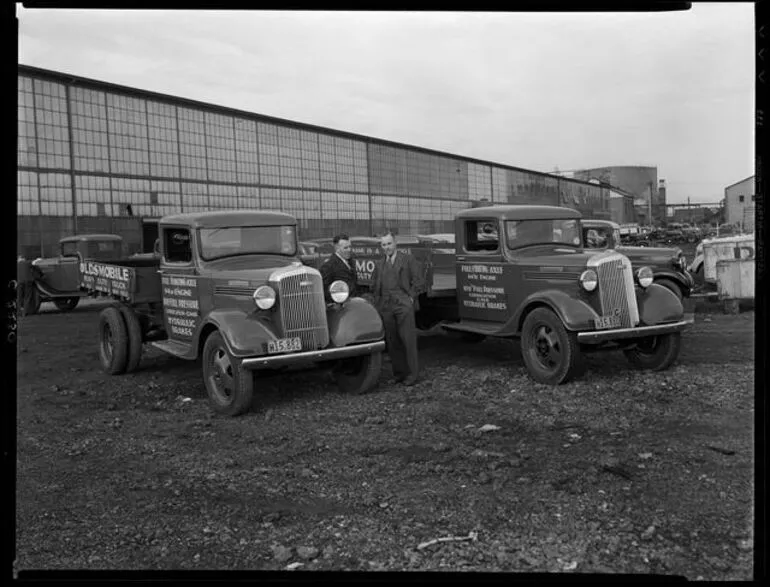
(66, 304)
(671, 286)
(113, 341)
(655, 353)
(229, 386)
(134, 330)
(358, 375)
(550, 352)
(31, 301)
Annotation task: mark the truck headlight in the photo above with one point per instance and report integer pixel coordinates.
(589, 280)
(264, 297)
(339, 291)
(644, 277)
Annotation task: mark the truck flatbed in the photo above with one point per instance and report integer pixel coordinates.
(134, 280)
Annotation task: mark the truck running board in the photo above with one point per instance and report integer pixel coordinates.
(173, 347)
(475, 326)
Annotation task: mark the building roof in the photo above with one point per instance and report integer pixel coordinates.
(90, 237)
(520, 212)
(231, 218)
(737, 182)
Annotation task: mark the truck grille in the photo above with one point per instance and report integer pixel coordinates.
(301, 305)
(616, 287)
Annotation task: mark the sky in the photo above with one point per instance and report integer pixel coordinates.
(541, 91)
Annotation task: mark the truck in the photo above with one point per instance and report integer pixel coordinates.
(228, 287)
(522, 272)
(668, 264)
(56, 279)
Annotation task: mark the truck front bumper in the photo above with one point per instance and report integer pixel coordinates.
(271, 361)
(637, 332)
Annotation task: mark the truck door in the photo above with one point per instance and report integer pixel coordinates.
(480, 270)
(179, 284)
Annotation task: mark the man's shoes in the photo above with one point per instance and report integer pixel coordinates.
(398, 379)
(410, 381)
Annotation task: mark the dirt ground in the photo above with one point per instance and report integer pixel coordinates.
(617, 472)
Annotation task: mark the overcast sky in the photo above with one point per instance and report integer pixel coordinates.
(672, 89)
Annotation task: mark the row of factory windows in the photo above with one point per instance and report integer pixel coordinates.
(117, 134)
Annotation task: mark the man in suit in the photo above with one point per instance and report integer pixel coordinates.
(396, 284)
(339, 266)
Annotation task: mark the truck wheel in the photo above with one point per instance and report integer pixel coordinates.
(32, 301)
(134, 330)
(655, 353)
(358, 375)
(550, 352)
(113, 341)
(229, 386)
(66, 304)
(671, 286)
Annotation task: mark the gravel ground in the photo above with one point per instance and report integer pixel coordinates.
(617, 472)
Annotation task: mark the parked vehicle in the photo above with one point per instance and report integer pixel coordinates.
(229, 288)
(536, 282)
(725, 247)
(56, 279)
(309, 253)
(669, 265)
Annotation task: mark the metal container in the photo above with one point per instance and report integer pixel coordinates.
(719, 249)
(735, 279)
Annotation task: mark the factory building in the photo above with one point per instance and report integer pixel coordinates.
(97, 157)
(640, 181)
(740, 204)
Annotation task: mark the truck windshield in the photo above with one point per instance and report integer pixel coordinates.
(525, 233)
(216, 243)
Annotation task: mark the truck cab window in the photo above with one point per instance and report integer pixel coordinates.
(69, 249)
(177, 245)
(481, 236)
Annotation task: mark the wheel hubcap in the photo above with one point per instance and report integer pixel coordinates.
(108, 344)
(546, 346)
(221, 378)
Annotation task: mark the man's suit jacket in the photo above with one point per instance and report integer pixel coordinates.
(333, 269)
(410, 277)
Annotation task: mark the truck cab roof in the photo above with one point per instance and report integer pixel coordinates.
(230, 218)
(519, 212)
(79, 238)
(593, 222)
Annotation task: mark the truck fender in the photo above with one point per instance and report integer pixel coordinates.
(657, 304)
(575, 314)
(682, 280)
(244, 334)
(355, 321)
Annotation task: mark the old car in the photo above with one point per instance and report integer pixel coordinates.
(229, 289)
(669, 265)
(56, 279)
(536, 282)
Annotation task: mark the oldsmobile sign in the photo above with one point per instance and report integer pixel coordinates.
(104, 278)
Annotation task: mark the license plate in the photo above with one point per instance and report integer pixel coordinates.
(284, 345)
(607, 322)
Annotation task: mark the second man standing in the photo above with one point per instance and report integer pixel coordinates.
(397, 283)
